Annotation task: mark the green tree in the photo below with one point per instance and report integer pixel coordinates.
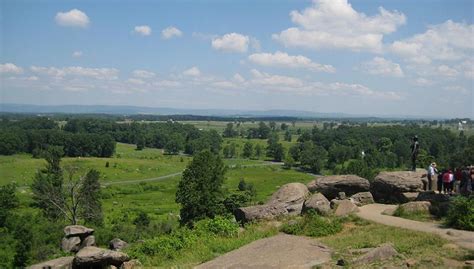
(200, 189)
(248, 150)
(91, 205)
(47, 184)
(258, 151)
(313, 157)
(288, 136)
(8, 202)
(229, 130)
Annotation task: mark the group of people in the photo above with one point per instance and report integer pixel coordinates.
(449, 181)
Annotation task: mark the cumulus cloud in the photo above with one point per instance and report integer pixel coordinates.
(445, 42)
(72, 18)
(9, 68)
(238, 78)
(171, 32)
(262, 78)
(382, 66)
(423, 82)
(232, 42)
(282, 59)
(77, 71)
(335, 24)
(143, 74)
(193, 72)
(77, 54)
(447, 71)
(143, 30)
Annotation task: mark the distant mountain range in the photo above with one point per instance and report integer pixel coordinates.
(133, 110)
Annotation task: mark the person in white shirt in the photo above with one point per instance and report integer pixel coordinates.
(431, 174)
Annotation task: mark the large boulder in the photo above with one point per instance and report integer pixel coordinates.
(288, 200)
(77, 230)
(291, 196)
(383, 252)
(388, 187)
(416, 207)
(59, 263)
(117, 244)
(94, 257)
(317, 202)
(71, 244)
(345, 207)
(330, 186)
(259, 212)
(362, 198)
(88, 241)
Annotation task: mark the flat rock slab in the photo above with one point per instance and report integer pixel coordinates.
(59, 263)
(280, 251)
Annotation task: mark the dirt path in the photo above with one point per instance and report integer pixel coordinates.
(279, 251)
(373, 212)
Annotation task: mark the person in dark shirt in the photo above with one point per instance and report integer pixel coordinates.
(415, 148)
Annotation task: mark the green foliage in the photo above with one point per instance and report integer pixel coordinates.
(275, 150)
(313, 225)
(248, 150)
(461, 213)
(90, 198)
(8, 202)
(142, 220)
(200, 189)
(229, 130)
(218, 226)
(313, 157)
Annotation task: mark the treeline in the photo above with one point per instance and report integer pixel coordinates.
(35, 135)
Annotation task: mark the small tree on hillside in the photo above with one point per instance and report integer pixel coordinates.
(91, 206)
(248, 150)
(200, 189)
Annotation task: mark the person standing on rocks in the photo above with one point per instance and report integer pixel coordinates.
(415, 148)
(431, 174)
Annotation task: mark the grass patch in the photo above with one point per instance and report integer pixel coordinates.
(188, 247)
(311, 224)
(427, 249)
(417, 215)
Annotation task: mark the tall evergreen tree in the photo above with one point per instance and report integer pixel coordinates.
(200, 189)
(91, 206)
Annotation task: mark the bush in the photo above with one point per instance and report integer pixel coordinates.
(313, 225)
(461, 213)
(219, 226)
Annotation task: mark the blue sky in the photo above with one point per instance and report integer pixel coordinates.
(360, 57)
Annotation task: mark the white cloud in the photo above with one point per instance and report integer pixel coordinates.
(73, 18)
(171, 32)
(77, 54)
(232, 42)
(467, 68)
(447, 71)
(238, 78)
(143, 74)
(9, 68)
(456, 89)
(262, 78)
(382, 66)
(423, 82)
(335, 24)
(136, 81)
(445, 42)
(143, 30)
(78, 71)
(282, 59)
(193, 72)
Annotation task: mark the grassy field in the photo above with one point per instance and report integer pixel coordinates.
(126, 164)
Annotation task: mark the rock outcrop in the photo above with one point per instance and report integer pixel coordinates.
(77, 237)
(117, 244)
(416, 207)
(345, 207)
(317, 202)
(389, 187)
(362, 198)
(94, 257)
(59, 263)
(330, 186)
(288, 200)
(383, 252)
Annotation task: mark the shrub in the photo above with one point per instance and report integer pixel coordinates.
(219, 226)
(313, 225)
(461, 213)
